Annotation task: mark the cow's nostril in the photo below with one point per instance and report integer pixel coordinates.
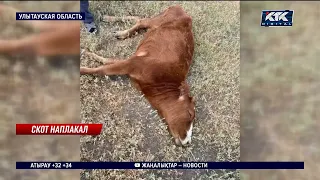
(187, 143)
(177, 142)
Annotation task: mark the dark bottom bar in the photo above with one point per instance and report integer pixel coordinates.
(160, 165)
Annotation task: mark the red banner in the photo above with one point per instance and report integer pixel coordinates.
(58, 129)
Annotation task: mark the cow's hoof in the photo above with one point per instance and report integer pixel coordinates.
(120, 34)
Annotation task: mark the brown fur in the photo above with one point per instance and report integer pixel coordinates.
(54, 37)
(160, 66)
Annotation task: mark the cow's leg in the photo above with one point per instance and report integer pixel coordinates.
(127, 33)
(23, 46)
(99, 58)
(55, 37)
(46, 43)
(140, 24)
(115, 67)
(116, 18)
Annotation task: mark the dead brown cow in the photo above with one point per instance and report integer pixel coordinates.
(54, 37)
(159, 67)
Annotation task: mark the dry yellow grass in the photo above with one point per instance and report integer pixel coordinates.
(280, 82)
(132, 130)
(37, 90)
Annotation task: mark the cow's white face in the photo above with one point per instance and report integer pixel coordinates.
(180, 122)
(187, 139)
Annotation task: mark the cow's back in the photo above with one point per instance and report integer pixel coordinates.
(167, 49)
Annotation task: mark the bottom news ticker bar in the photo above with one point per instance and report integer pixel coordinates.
(159, 165)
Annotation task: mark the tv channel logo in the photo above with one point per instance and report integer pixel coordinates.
(277, 18)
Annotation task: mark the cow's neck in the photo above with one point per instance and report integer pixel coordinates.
(162, 97)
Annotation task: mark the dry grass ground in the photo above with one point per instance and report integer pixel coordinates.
(37, 90)
(280, 82)
(132, 131)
